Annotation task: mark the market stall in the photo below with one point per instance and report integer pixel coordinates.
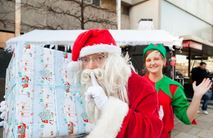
(42, 101)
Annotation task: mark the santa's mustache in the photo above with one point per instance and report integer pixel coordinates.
(86, 78)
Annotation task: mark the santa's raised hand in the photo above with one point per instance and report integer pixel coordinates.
(96, 92)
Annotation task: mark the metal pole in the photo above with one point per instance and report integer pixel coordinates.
(189, 62)
(17, 17)
(118, 9)
(82, 14)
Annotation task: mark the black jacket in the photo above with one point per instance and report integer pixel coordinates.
(198, 74)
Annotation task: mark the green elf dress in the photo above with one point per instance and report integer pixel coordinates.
(173, 101)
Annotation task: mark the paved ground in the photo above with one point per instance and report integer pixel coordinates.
(204, 128)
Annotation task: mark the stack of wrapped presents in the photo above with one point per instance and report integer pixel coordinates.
(41, 100)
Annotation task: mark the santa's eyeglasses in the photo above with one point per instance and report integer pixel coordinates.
(98, 58)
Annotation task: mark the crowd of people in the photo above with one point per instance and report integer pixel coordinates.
(120, 102)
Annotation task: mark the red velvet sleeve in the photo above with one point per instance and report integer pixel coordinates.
(142, 120)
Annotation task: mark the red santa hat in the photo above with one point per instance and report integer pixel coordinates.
(91, 42)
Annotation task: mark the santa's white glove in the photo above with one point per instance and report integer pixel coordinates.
(161, 113)
(96, 93)
(3, 110)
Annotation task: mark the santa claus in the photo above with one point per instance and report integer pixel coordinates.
(118, 101)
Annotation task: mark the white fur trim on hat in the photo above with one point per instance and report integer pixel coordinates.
(99, 48)
(110, 122)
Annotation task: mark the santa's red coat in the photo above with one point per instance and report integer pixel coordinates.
(139, 119)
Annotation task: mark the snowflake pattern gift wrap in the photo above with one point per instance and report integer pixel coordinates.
(41, 101)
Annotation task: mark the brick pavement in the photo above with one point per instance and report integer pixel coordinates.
(204, 128)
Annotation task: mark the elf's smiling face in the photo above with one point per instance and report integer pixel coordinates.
(154, 62)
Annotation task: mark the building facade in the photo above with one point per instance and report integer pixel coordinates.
(189, 18)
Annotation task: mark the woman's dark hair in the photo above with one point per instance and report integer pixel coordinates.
(202, 63)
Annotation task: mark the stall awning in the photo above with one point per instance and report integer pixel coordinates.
(199, 46)
(197, 39)
(122, 37)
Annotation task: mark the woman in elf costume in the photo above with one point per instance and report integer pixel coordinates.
(170, 93)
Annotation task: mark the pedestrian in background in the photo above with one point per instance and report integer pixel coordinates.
(198, 74)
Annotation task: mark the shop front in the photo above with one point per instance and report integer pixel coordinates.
(194, 50)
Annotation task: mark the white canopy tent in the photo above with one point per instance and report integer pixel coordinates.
(122, 37)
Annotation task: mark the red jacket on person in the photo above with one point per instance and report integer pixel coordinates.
(138, 119)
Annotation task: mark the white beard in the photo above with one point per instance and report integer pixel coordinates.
(86, 79)
(92, 111)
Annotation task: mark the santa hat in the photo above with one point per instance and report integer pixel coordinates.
(91, 42)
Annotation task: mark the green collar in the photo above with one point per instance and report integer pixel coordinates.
(164, 85)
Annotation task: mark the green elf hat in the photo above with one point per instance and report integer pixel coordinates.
(158, 47)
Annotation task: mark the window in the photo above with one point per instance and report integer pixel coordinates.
(88, 1)
(94, 2)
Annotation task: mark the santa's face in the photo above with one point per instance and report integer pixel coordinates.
(93, 61)
(154, 62)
